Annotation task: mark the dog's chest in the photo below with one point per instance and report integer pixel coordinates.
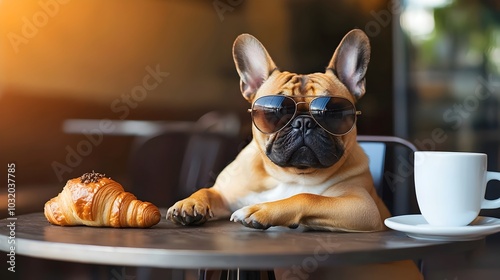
(281, 191)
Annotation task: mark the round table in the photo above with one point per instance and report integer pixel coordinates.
(217, 244)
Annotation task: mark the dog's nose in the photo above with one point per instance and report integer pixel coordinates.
(303, 123)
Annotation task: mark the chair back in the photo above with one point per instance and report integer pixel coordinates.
(154, 166)
(205, 156)
(391, 166)
(172, 164)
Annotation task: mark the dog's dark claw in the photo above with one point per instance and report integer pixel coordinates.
(293, 226)
(258, 225)
(193, 219)
(243, 222)
(252, 224)
(197, 220)
(189, 220)
(177, 219)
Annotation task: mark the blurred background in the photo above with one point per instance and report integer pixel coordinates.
(66, 61)
(75, 76)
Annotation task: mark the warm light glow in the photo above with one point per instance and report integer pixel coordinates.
(94, 50)
(418, 22)
(429, 3)
(418, 17)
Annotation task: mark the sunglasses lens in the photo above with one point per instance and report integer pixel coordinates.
(272, 113)
(336, 115)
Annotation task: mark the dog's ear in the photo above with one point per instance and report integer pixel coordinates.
(253, 63)
(350, 61)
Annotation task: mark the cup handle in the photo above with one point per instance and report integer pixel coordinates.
(491, 204)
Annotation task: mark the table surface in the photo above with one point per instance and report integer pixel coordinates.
(217, 244)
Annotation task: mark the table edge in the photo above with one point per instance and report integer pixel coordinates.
(180, 259)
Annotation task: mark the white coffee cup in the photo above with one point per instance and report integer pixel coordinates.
(451, 186)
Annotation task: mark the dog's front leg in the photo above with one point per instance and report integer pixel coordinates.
(201, 206)
(350, 212)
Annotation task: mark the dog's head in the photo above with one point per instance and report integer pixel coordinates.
(303, 122)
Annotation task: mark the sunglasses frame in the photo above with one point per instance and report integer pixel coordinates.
(314, 97)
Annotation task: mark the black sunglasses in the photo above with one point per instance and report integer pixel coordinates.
(336, 115)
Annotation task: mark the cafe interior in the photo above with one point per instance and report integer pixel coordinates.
(141, 90)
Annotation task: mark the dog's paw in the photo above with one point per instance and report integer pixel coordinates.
(263, 216)
(245, 216)
(189, 211)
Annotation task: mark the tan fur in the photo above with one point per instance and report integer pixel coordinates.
(260, 193)
(349, 204)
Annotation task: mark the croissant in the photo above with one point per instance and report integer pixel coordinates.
(94, 200)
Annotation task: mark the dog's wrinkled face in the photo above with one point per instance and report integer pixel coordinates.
(303, 144)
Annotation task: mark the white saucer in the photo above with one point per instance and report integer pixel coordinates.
(416, 226)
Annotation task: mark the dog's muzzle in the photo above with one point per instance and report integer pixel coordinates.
(304, 144)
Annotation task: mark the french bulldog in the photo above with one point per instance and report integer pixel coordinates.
(303, 166)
